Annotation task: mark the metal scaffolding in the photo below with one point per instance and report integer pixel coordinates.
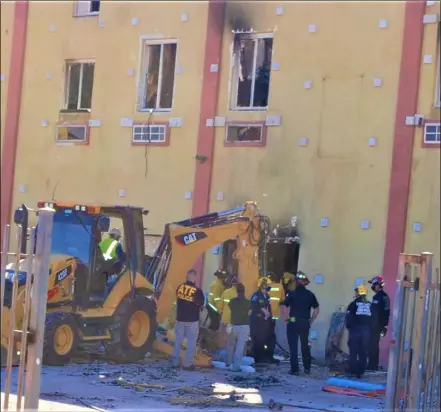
(25, 339)
(413, 379)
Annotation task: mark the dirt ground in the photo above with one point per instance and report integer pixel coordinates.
(153, 386)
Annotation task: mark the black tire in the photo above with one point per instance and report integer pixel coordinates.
(121, 349)
(55, 321)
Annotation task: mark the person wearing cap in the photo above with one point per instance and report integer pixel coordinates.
(261, 324)
(380, 320)
(358, 324)
(111, 247)
(217, 287)
(240, 308)
(224, 309)
(300, 303)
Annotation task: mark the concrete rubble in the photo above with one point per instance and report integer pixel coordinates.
(153, 386)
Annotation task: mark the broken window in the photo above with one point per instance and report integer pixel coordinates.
(246, 133)
(158, 76)
(86, 8)
(252, 69)
(72, 134)
(79, 85)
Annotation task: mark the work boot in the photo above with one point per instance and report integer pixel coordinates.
(293, 373)
(189, 368)
(308, 371)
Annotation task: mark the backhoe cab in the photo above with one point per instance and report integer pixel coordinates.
(91, 298)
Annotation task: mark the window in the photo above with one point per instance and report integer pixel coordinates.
(79, 85)
(251, 71)
(154, 133)
(87, 8)
(244, 133)
(438, 81)
(72, 134)
(158, 76)
(432, 133)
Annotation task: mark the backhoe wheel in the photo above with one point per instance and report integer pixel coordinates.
(60, 338)
(134, 331)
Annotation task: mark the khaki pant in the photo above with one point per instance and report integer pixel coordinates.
(237, 340)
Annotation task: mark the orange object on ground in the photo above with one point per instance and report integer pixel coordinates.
(354, 392)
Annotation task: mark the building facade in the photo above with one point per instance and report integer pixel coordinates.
(326, 111)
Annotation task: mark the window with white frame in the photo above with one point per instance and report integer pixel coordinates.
(158, 75)
(432, 133)
(153, 133)
(71, 134)
(79, 85)
(244, 133)
(251, 71)
(87, 8)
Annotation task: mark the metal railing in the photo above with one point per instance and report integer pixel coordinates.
(24, 337)
(413, 379)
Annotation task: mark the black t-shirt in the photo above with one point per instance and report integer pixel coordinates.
(189, 301)
(358, 313)
(300, 302)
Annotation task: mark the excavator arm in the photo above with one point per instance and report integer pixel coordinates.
(184, 242)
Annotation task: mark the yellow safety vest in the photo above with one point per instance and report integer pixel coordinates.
(108, 247)
(216, 289)
(277, 295)
(224, 306)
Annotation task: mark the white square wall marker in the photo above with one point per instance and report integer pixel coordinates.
(324, 222)
(187, 195)
(44, 123)
(135, 21)
(307, 84)
(428, 59)
(280, 10)
(319, 279)
(383, 23)
(53, 27)
(220, 196)
(378, 82)
(313, 334)
(2, 77)
(131, 72)
(372, 141)
(303, 141)
(214, 68)
(22, 188)
(121, 192)
(184, 17)
(417, 227)
(101, 23)
(365, 224)
(48, 76)
(312, 28)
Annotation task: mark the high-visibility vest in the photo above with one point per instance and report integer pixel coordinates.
(277, 295)
(224, 306)
(108, 247)
(214, 296)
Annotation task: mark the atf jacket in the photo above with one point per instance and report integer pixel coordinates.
(224, 306)
(358, 313)
(214, 296)
(276, 295)
(380, 309)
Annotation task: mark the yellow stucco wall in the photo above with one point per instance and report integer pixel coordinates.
(424, 200)
(95, 173)
(7, 19)
(337, 175)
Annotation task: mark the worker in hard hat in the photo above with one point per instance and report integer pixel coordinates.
(380, 320)
(261, 324)
(276, 294)
(300, 302)
(358, 323)
(112, 249)
(217, 287)
(224, 308)
(288, 281)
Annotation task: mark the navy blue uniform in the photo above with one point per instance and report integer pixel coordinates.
(358, 323)
(380, 319)
(300, 302)
(261, 329)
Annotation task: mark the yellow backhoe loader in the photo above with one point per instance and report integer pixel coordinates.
(91, 299)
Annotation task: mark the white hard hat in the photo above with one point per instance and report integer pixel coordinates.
(115, 232)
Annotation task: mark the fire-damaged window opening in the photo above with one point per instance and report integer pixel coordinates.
(244, 133)
(87, 8)
(79, 85)
(158, 76)
(251, 70)
(71, 134)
